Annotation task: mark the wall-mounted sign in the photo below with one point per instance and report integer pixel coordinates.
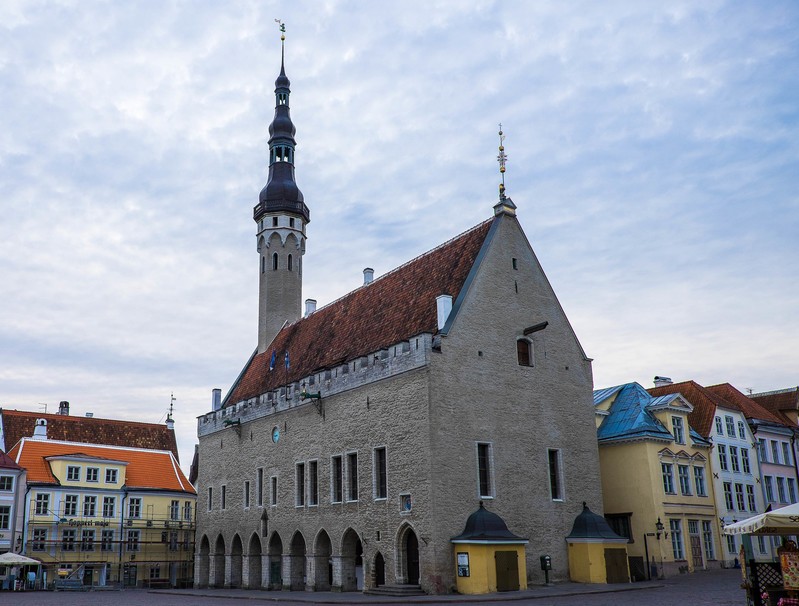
(86, 523)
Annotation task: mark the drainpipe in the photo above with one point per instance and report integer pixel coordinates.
(793, 455)
(121, 534)
(24, 522)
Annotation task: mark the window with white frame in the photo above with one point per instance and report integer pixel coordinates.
(731, 544)
(68, 539)
(762, 451)
(728, 496)
(667, 471)
(699, 481)
(555, 474)
(781, 489)
(71, 505)
(5, 517)
(678, 430)
(761, 544)
(39, 539)
(730, 422)
(485, 476)
(111, 476)
(107, 540)
(768, 482)
(134, 506)
(87, 540)
(134, 537)
(741, 430)
(676, 539)
(734, 459)
(109, 506)
(73, 473)
(791, 490)
(750, 497)
(89, 506)
(187, 511)
(6, 483)
(707, 540)
(723, 457)
(719, 427)
(775, 451)
(786, 453)
(684, 478)
(352, 476)
(313, 483)
(745, 465)
(380, 476)
(174, 509)
(42, 504)
(92, 474)
(739, 497)
(299, 485)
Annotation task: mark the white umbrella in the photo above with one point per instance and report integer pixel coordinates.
(778, 522)
(14, 559)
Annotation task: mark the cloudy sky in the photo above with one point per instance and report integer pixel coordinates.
(653, 156)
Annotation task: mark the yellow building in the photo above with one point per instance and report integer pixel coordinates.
(100, 515)
(656, 481)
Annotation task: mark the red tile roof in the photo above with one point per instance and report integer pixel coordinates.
(392, 309)
(18, 424)
(703, 401)
(7, 462)
(154, 469)
(779, 401)
(750, 408)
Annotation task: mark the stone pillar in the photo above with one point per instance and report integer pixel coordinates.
(245, 571)
(338, 577)
(198, 582)
(211, 571)
(228, 570)
(266, 571)
(286, 571)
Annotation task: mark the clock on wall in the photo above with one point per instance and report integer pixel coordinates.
(275, 434)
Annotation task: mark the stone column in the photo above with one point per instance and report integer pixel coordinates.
(245, 571)
(286, 571)
(338, 577)
(228, 570)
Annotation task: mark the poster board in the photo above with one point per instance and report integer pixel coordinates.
(789, 561)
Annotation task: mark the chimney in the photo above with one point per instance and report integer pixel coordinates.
(310, 306)
(368, 275)
(216, 399)
(661, 381)
(63, 408)
(89, 415)
(443, 307)
(40, 430)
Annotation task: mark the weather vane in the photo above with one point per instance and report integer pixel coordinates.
(282, 29)
(171, 403)
(502, 158)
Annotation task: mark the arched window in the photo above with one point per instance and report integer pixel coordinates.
(289, 263)
(524, 352)
(274, 261)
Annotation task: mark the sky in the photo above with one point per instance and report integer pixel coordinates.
(653, 155)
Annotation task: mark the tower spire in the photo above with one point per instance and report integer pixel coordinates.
(505, 204)
(281, 215)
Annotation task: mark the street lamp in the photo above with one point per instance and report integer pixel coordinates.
(659, 526)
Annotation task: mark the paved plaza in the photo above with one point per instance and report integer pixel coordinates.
(713, 588)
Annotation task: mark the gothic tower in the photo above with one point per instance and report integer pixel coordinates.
(281, 216)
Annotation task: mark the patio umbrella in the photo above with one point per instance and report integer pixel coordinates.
(14, 559)
(777, 522)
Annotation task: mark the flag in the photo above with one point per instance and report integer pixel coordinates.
(272, 361)
(287, 360)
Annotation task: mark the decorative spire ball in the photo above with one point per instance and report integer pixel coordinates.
(282, 30)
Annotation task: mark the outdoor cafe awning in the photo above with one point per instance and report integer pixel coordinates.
(778, 522)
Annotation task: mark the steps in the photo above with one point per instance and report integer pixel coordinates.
(397, 591)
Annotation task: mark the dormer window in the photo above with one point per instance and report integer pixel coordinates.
(677, 428)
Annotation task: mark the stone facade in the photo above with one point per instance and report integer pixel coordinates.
(436, 405)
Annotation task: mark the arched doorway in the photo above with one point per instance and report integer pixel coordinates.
(323, 566)
(204, 563)
(219, 562)
(235, 562)
(275, 556)
(380, 570)
(254, 578)
(407, 556)
(297, 562)
(351, 561)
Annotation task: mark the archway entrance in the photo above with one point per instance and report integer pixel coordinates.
(412, 557)
(254, 578)
(275, 556)
(297, 562)
(204, 563)
(380, 570)
(323, 567)
(235, 562)
(351, 561)
(219, 562)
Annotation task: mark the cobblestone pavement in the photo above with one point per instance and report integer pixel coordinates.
(713, 588)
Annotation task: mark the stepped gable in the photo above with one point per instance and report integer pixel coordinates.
(750, 408)
(779, 401)
(703, 401)
(153, 469)
(391, 309)
(18, 424)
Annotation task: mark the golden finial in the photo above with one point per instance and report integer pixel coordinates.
(282, 29)
(502, 158)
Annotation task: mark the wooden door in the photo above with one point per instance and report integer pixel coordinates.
(412, 558)
(696, 552)
(507, 563)
(616, 566)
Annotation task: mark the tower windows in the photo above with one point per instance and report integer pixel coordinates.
(274, 261)
(291, 221)
(282, 98)
(274, 221)
(281, 153)
(263, 265)
(289, 263)
(524, 352)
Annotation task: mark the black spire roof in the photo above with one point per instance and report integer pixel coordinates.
(486, 526)
(281, 193)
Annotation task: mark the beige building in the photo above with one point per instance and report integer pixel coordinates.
(358, 439)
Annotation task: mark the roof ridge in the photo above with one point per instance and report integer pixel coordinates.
(30, 440)
(406, 264)
(75, 418)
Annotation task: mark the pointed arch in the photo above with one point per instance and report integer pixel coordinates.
(274, 552)
(236, 553)
(254, 553)
(351, 561)
(407, 554)
(379, 569)
(297, 562)
(323, 564)
(204, 562)
(219, 562)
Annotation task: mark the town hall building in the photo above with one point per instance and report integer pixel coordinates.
(361, 436)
